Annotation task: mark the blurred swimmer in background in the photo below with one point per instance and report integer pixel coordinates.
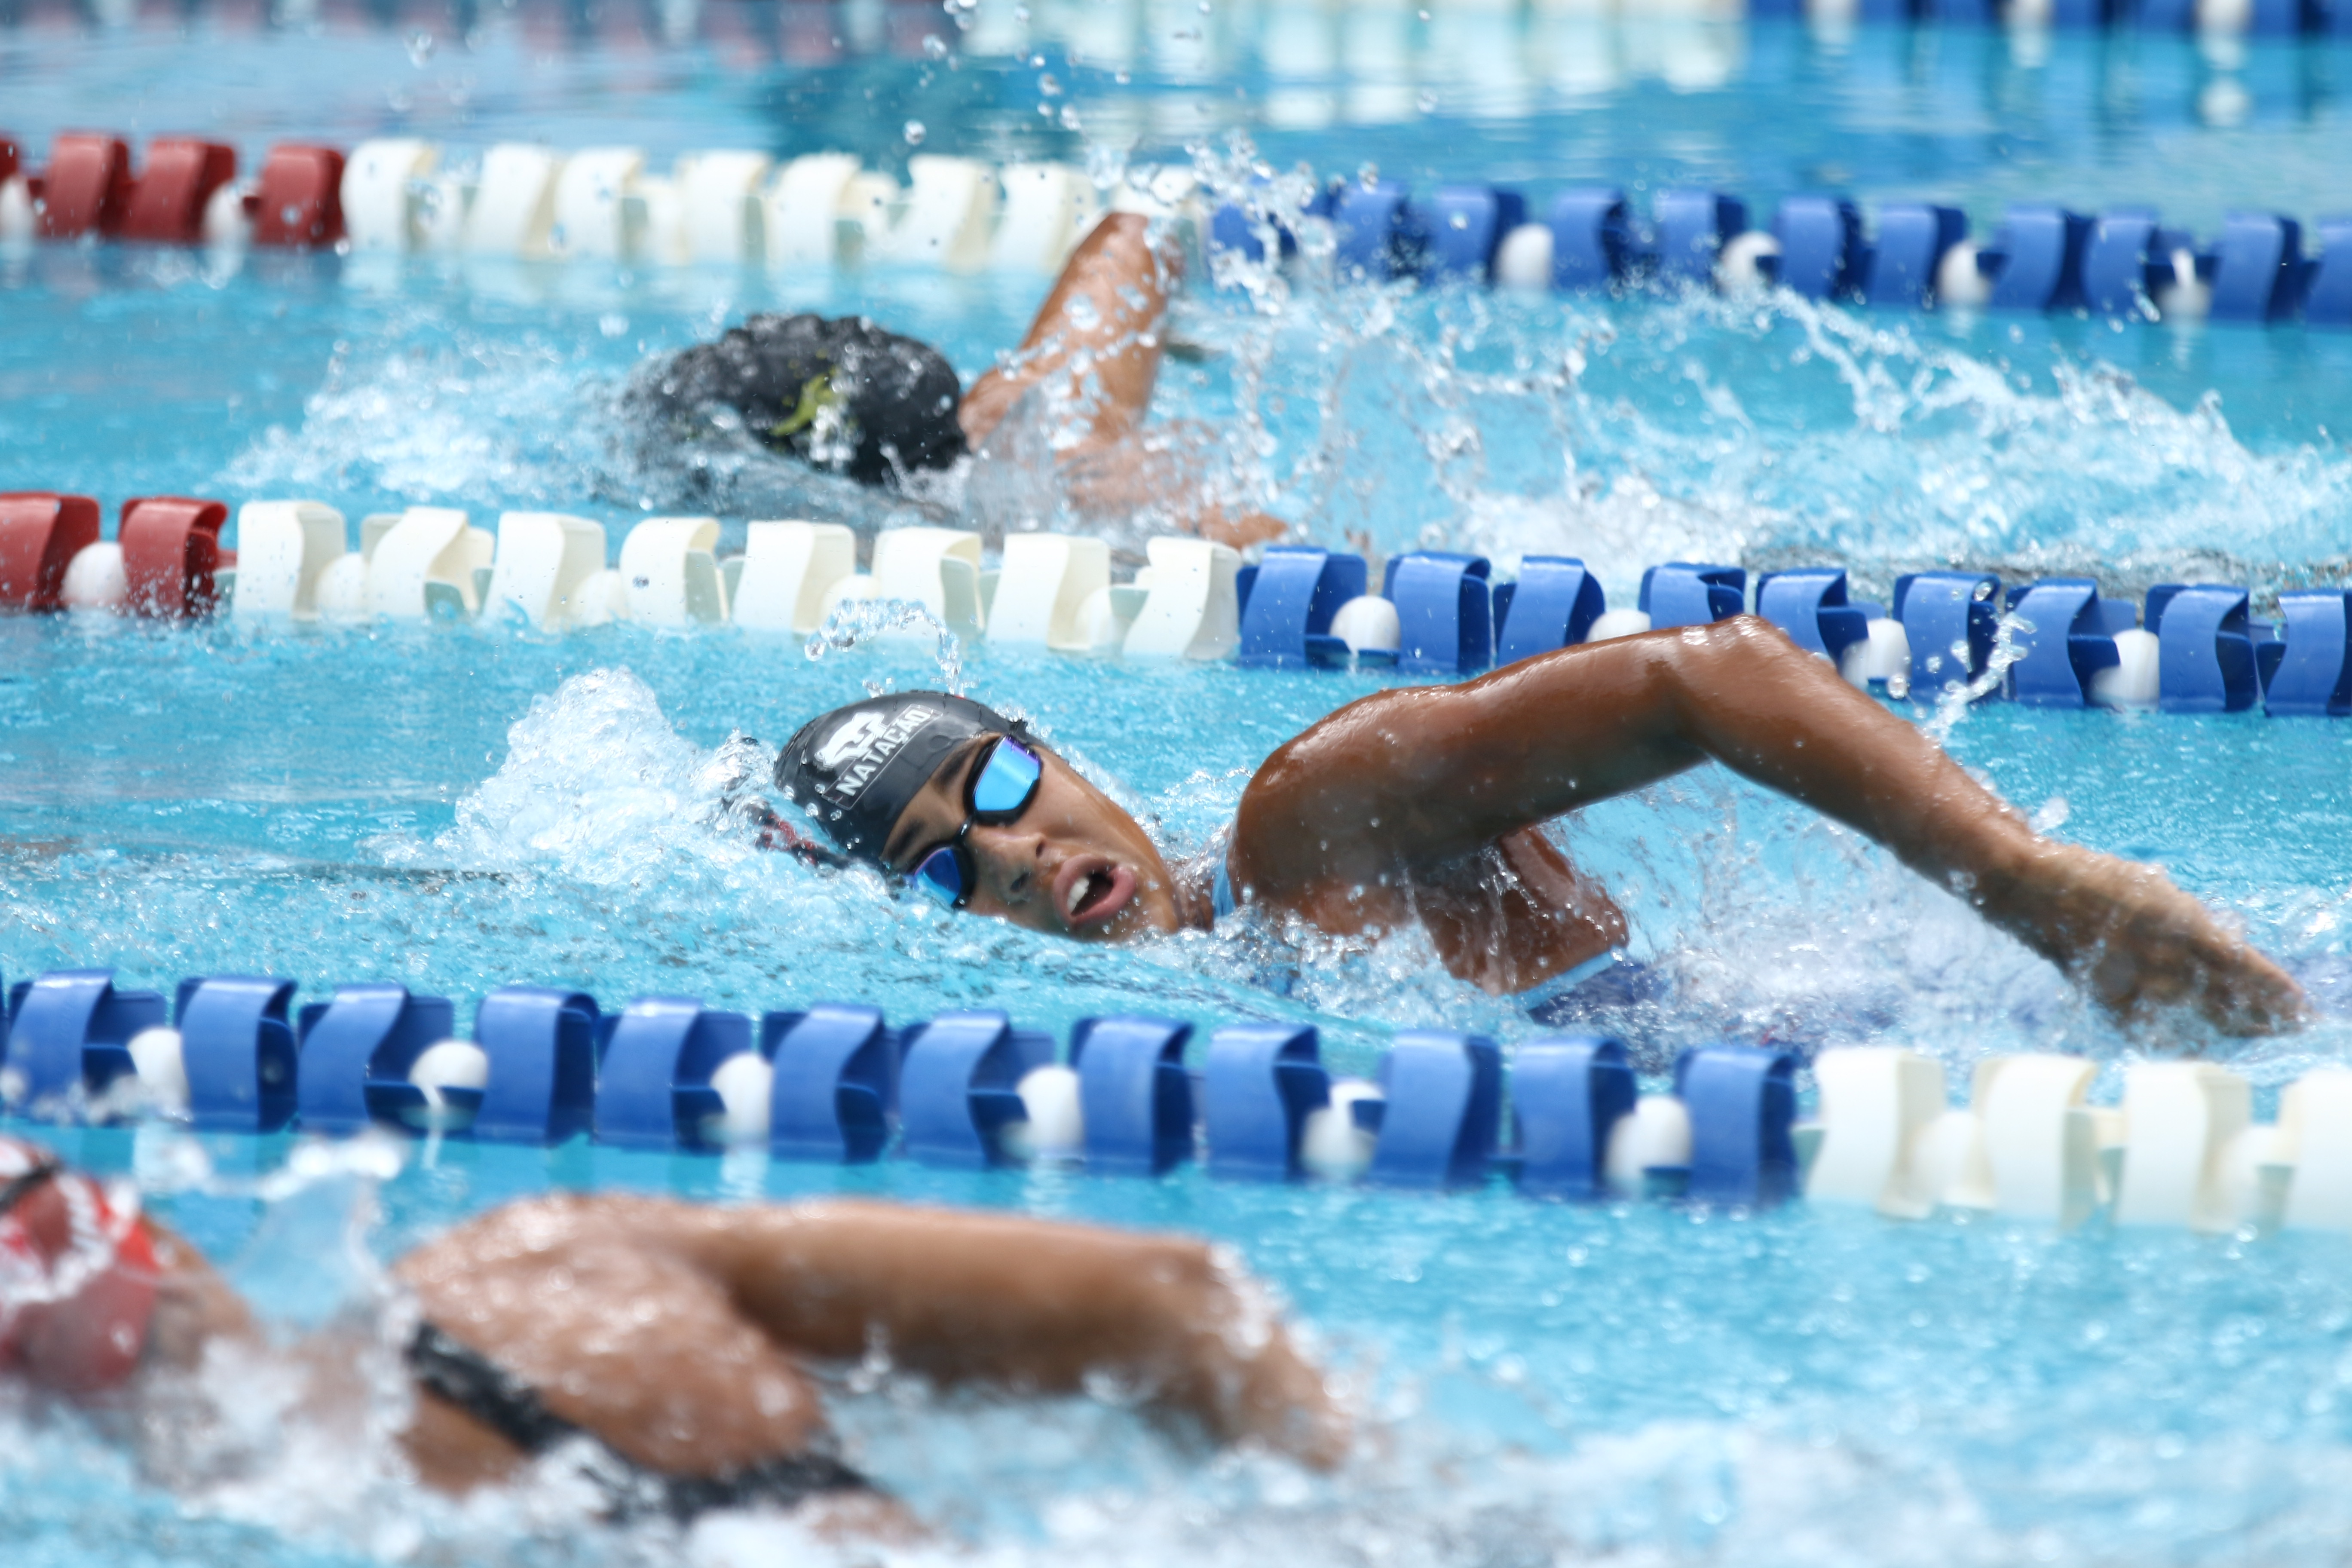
(1426, 804)
(667, 1347)
(1064, 413)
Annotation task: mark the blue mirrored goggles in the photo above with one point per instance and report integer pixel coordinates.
(999, 791)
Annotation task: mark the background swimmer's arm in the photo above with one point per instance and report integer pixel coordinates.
(1108, 316)
(1030, 1305)
(1106, 311)
(1415, 778)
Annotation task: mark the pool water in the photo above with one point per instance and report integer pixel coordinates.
(459, 807)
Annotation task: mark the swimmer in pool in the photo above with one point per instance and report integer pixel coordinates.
(852, 398)
(1426, 804)
(670, 1343)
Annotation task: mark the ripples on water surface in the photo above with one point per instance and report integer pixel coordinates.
(459, 807)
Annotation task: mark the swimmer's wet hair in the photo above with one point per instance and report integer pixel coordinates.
(854, 769)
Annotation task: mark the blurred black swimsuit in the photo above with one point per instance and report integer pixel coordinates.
(470, 1379)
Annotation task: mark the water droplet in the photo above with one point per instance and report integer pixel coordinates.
(935, 47)
(915, 133)
(1428, 101)
(1048, 86)
(420, 47)
(1069, 117)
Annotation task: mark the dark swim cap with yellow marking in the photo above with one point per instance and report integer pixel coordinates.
(845, 395)
(854, 769)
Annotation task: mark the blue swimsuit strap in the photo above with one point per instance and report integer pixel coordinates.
(1220, 891)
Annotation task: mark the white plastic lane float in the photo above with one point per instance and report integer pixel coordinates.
(96, 581)
(721, 210)
(1043, 589)
(938, 568)
(593, 214)
(420, 564)
(1191, 609)
(2315, 1128)
(1048, 208)
(788, 568)
(2179, 1122)
(2027, 1146)
(283, 549)
(380, 191)
(1610, 624)
(670, 571)
(512, 212)
(546, 561)
(1052, 1124)
(1367, 624)
(949, 217)
(806, 204)
(1332, 1142)
(1653, 1137)
(439, 1068)
(1877, 1104)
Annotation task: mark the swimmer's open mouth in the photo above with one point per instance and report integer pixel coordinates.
(1092, 890)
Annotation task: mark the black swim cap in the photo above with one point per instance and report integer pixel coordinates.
(845, 395)
(855, 769)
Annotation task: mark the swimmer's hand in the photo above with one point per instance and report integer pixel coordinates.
(775, 833)
(2137, 943)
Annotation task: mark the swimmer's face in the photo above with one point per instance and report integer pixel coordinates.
(1072, 864)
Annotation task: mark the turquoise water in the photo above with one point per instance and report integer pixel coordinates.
(460, 807)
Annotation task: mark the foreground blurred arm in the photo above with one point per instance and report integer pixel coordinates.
(1401, 785)
(676, 1331)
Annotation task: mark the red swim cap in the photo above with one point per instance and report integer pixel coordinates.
(77, 1274)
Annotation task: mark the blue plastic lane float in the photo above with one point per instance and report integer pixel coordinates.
(542, 1046)
(238, 1047)
(2067, 636)
(960, 1083)
(1445, 610)
(71, 1030)
(1287, 601)
(1691, 593)
(2126, 259)
(1742, 1100)
(1822, 252)
(1912, 239)
(2311, 667)
(1590, 238)
(2258, 269)
(1949, 617)
(1377, 233)
(1444, 1109)
(1553, 605)
(2205, 649)
(1809, 603)
(653, 1086)
(2036, 257)
(1261, 1082)
(357, 1049)
(1568, 1092)
(1134, 1094)
(1462, 226)
(2327, 295)
(1693, 228)
(836, 1080)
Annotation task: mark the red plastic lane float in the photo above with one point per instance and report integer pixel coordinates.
(171, 550)
(300, 202)
(40, 533)
(167, 204)
(86, 187)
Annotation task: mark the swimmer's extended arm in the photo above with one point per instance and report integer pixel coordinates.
(1031, 1305)
(1095, 346)
(1101, 322)
(1404, 782)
